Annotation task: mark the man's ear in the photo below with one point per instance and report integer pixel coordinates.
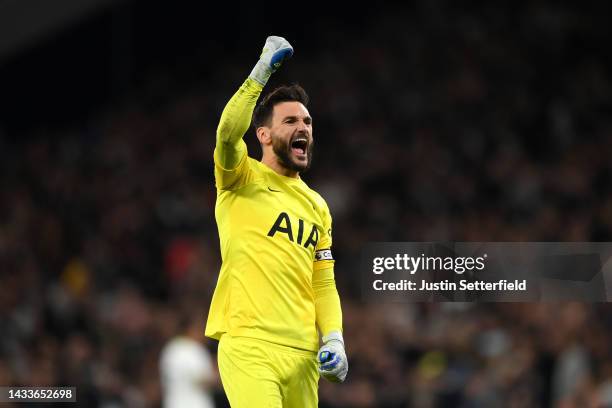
(263, 134)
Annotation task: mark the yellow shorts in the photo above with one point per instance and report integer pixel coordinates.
(259, 374)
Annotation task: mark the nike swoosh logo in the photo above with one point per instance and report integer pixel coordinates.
(274, 191)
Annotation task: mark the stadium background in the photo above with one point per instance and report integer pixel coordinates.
(436, 120)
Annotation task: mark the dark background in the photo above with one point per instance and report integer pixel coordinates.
(433, 121)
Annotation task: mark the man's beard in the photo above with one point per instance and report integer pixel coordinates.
(283, 152)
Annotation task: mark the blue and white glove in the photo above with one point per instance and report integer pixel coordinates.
(333, 364)
(274, 52)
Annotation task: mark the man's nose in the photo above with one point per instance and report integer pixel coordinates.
(302, 127)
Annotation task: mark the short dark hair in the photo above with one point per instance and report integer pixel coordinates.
(286, 93)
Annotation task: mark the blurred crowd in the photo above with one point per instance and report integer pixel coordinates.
(432, 122)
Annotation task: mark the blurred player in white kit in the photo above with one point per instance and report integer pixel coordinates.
(188, 376)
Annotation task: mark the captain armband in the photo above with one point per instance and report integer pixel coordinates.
(324, 255)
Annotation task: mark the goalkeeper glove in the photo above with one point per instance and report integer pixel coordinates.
(275, 51)
(333, 364)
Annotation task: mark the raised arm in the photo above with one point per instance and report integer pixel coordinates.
(236, 116)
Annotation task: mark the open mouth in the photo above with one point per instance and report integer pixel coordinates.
(299, 146)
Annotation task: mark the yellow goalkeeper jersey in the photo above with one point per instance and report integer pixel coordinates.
(275, 232)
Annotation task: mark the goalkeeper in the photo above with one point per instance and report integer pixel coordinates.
(276, 290)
